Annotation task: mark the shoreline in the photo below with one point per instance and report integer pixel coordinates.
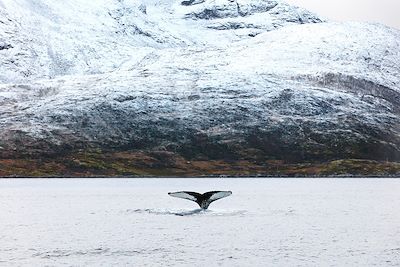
(114, 168)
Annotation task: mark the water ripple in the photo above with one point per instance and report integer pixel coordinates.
(59, 253)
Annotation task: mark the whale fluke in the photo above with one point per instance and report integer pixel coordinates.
(204, 200)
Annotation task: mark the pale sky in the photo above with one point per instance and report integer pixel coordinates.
(383, 11)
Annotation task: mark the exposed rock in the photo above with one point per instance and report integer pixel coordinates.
(4, 46)
(192, 2)
(231, 9)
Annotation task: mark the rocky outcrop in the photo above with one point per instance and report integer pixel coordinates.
(4, 46)
(230, 9)
(247, 17)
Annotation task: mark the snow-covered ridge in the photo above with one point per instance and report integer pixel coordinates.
(47, 38)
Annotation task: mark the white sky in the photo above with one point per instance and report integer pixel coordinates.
(383, 11)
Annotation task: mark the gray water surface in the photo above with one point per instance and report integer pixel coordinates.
(266, 222)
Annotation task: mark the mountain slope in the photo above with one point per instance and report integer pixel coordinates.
(203, 87)
(46, 39)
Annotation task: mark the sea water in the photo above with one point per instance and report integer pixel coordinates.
(133, 222)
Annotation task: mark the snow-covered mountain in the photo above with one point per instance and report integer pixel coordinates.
(139, 87)
(46, 38)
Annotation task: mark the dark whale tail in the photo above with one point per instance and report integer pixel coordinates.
(204, 200)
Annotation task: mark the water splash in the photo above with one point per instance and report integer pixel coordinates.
(195, 212)
(168, 212)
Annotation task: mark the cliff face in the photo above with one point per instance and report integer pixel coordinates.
(194, 88)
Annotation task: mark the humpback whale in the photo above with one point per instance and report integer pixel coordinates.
(203, 200)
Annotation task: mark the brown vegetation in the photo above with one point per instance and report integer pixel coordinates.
(168, 164)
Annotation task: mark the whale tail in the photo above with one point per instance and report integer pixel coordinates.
(203, 200)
